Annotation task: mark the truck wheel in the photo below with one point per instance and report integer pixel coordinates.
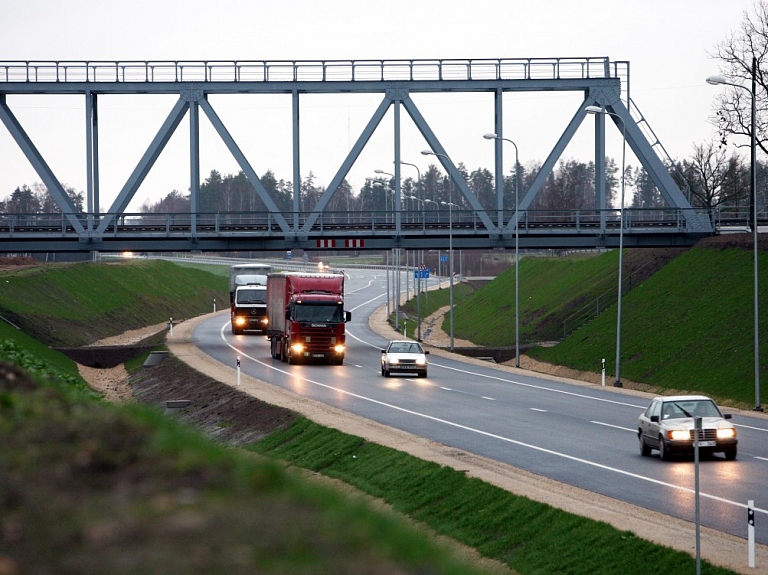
(283, 354)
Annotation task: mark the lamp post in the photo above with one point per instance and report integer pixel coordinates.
(517, 247)
(599, 110)
(396, 255)
(450, 245)
(715, 81)
(418, 185)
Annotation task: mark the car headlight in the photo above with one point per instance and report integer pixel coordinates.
(394, 361)
(421, 361)
(726, 433)
(678, 434)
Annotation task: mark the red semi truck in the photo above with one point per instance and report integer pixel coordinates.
(306, 317)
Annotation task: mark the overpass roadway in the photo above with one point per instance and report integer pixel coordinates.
(564, 442)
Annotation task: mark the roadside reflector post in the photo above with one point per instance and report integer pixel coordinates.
(214, 305)
(603, 376)
(751, 531)
(238, 371)
(170, 326)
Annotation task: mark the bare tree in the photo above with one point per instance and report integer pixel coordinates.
(714, 178)
(742, 55)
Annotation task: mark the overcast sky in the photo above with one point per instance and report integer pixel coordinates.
(667, 42)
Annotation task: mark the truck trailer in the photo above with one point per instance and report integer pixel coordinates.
(306, 317)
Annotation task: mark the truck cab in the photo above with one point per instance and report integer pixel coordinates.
(249, 309)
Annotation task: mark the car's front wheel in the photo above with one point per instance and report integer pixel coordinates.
(730, 454)
(645, 450)
(664, 453)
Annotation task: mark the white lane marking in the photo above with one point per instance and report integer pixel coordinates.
(761, 458)
(614, 426)
(488, 398)
(446, 388)
(496, 436)
(538, 409)
(749, 427)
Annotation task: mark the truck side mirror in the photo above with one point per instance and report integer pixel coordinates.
(347, 316)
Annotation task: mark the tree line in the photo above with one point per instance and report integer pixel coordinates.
(710, 179)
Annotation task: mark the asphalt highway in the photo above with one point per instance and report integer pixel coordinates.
(582, 435)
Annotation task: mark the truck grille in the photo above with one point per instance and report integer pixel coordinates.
(317, 338)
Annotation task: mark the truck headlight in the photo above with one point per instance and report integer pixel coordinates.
(339, 349)
(239, 321)
(297, 347)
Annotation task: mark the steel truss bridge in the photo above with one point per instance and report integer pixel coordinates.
(599, 79)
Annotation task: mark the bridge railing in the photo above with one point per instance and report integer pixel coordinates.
(306, 70)
(384, 222)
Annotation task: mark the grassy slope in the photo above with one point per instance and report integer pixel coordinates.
(687, 327)
(76, 304)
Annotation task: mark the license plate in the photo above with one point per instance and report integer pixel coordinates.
(707, 443)
(318, 355)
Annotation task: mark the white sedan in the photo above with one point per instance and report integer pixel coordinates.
(404, 356)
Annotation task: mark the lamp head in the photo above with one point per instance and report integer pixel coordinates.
(490, 136)
(428, 152)
(593, 110)
(716, 80)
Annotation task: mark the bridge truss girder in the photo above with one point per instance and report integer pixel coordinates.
(93, 226)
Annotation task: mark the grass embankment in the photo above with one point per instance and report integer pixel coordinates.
(76, 304)
(687, 327)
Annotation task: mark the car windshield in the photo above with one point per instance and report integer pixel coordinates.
(689, 408)
(405, 347)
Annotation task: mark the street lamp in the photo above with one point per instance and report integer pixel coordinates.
(517, 248)
(450, 244)
(396, 255)
(715, 81)
(599, 110)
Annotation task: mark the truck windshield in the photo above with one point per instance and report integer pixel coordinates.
(245, 296)
(323, 313)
